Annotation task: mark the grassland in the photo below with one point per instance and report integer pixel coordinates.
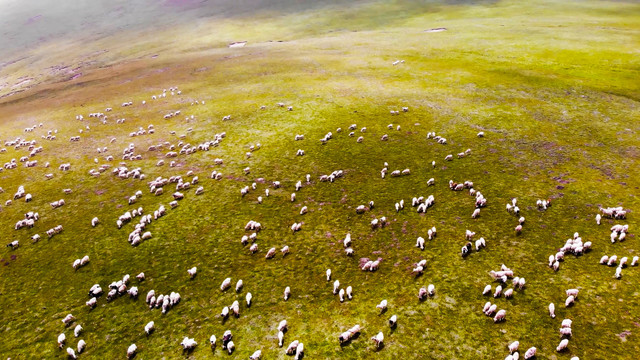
(553, 84)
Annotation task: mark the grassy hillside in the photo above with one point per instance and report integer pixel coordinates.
(553, 84)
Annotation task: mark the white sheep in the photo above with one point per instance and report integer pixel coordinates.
(393, 321)
(530, 353)
(378, 339)
(131, 351)
(256, 355)
(225, 284)
(500, 316)
(287, 293)
(420, 243)
(349, 292)
(71, 354)
(81, 345)
(148, 329)
(77, 330)
(382, 306)
(563, 345)
(328, 274)
(552, 310)
(192, 272)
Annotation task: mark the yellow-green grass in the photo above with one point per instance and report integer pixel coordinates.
(554, 85)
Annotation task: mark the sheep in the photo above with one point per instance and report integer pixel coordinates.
(349, 292)
(292, 347)
(487, 290)
(349, 251)
(235, 308)
(382, 306)
(71, 354)
(62, 338)
(212, 341)
(188, 344)
(287, 293)
(508, 293)
(500, 316)
(271, 253)
(634, 261)
(612, 260)
(328, 273)
(513, 347)
(68, 319)
(378, 339)
(393, 321)
(192, 272)
(149, 328)
(566, 323)
(81, 345)
(563, 345)
(341, 295)
(336, 286)
(570, 300)
(565, 332)
(604, 260)
(552, 310)
(225, 284)
(521, 283)
(486, 307)
(480, 243)
(518, 229)
(256, 355)
(225, 312)
(347, 335)
(77, 330)
(530, 353)
(475, 214)
(618, 274)
(420, 243)
(347, 240)
(431, 290)
(92, 303)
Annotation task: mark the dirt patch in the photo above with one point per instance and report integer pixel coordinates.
(100, 192)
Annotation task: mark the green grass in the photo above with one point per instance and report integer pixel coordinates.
(554, 85)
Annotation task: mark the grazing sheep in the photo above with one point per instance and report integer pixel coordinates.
(287, 293)
(565, 332)
(328, 274)
(225, 312)
(500, 316)
(508, 293)
(487, 290)
(563, 345)
(225, 284)
(77, 330)
(192, 272)
(131, 351)
(81, 345)
(68, 319)
(188, 344)
(552, 310)
(566, 323)
(347, 335)
(271, 253)
(530, 353)
(382, 306)
(378, 339)
(336, 286)
(256, 355)
(513, 347)
(341, 295)
(71, 354)
(618, 274)
(349, 292)
(393, 321)
(148, 329)
(634, 261)
(420, 243)
(62, 338)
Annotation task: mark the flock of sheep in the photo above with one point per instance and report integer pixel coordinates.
(507, 283)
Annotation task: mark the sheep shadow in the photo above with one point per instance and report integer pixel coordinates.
(383, 311)
(379, 347)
